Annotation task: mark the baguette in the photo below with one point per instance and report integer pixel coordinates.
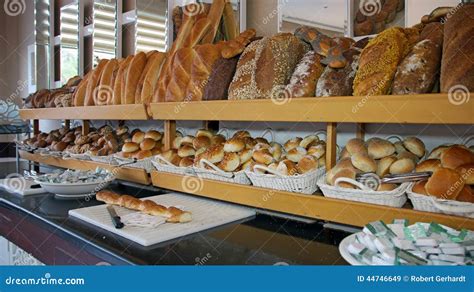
(103, 94)
(138, 92)
(236, 46)
(117, 97)
(172, 214)
(200, 29)
(214, 16)
(133, 75)
(149, 83)
(94, 82)
(231, 29)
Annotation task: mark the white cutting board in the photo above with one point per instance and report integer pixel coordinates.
(206, 214)
(20, 185)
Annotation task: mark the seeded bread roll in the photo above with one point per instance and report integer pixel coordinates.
(304, 79)
(266, 66)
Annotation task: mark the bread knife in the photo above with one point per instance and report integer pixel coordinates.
(115, 218)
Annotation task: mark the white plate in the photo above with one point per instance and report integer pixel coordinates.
(346, 254)
(75, 189)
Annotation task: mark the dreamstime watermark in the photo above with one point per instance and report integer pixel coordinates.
(192, 184)
(370, 180)
(202, 261)
(366, 98)
(268, 195)
(456, 185)
(15, 181)
(459, 94)
(103, 94)
(451, 13)
(14, 7)
(370, 7)
(280, 95)
(46, 280)
(191, 8)
(274, 12)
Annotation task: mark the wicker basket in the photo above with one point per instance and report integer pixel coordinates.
(393, 198)
(217, 174)
(300, 183)
(109, 159)
(75, 156)
(133, 163)
(432, 204)
(163, 165)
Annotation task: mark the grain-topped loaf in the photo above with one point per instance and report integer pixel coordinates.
(266, 66)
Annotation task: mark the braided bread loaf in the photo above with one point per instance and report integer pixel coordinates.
(173, 214)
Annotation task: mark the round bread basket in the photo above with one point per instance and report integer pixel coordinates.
(432, 204)
(163, 165)
(299, 183)
(238, 177)
(393, 198)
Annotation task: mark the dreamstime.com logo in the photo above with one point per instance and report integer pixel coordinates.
(280, 95)
(14, 7)
(193, 9)
(15, 181)
(192, 184)
(459, 94)
(370, 7)
(46, 280)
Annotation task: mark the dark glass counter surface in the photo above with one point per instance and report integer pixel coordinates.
(40, 225)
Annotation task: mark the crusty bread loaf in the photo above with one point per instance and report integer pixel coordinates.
(120, 79)
(445, 183)
(93, 82)
(133, 76)
(418, 72)
(221, 76)
(215, 14)
(103, 94)
(434, 32)
(378, 62)
(266, 66)
(306, 75)
(80, 93)
(457, 67)
(236, 46)
(149, 82)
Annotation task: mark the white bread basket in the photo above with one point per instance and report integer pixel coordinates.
(133, 163)
(108, 159)
(393, 198)
(163, 165)
(218, 174)
(432, 204)
(75, 156)
(299, 183)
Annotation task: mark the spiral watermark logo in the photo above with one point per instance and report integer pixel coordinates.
(193, 9)
(281, 264)
(103, 95)
(280, 95)
(14, 7)
(370, 180)
(15, 181)
(459, 94)
(192, 184)
(370, 7)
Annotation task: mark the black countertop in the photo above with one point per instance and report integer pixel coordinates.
(40, 225)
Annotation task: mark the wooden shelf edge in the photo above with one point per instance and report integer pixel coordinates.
(124, 173)
(109, 112)
(311, 206)
(415, 109)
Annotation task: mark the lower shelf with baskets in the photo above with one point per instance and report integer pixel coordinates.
(135, 175)
(310, 206)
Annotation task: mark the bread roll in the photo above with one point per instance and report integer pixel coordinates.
(386, 187)
(263, 156)
(292, 143)
(217, 140)
(419, 187)
(187, 140)
(415, 146)
(147, 144)
(204, 132)
(436, 152)
(276, 150)
(138, 137)
(428, 165)
(134, 71)
(201, 142)
(344, 163)
(287, 167)
(186, 151)
(230, 162)
(130, 147)
(466, 195)
(467, 173)
(445, 183)
(296, 154)
(308, 140)
(404, 165)
(379, 148)
(152, 134)
(363, 162)
(383, 165)
(234, 145)
(245, 155)
(408, 154)
(356, 146)
(456, 156)
(215, 154)
(307, 164)
(344, 172)
(142, 154)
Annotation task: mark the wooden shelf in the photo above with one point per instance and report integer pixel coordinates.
(109, 112)
(311, 206)
(124, 173)
(415, 109)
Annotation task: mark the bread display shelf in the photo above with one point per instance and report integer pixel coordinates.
(124, 173)
(414, 109)
(109, 112)
(311, 206)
